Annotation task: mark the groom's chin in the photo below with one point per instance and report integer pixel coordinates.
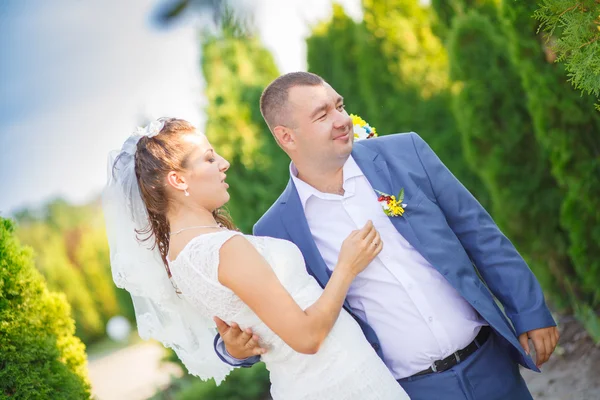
(344, 145)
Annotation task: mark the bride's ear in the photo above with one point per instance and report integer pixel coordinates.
(176, 181)
(285, 137)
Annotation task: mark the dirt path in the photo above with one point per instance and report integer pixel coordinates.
(133, 373)
(573, 372)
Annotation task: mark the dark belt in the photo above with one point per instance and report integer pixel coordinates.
(460, 355)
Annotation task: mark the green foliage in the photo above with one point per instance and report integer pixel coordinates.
(40, 357)
(237, 68)
(567, 130)
(242, 384)
(574, 33)
(53, 262)
(91, 255)
(72, 253)
(500, 144)
(333, 50)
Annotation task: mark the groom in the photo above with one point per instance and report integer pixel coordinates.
(426, 303)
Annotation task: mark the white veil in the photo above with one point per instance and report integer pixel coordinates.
(160, 313)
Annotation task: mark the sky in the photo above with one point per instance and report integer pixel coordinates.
(76, 78)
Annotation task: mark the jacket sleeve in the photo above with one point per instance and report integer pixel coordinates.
(228, 358)
(501, 266)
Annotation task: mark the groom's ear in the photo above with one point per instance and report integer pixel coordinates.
(285, 137)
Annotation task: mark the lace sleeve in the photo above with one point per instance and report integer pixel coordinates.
(196, 276)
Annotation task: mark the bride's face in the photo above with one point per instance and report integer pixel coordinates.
(204, 175)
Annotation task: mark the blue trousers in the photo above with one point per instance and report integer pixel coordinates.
(488, 374)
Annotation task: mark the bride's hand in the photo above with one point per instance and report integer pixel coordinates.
(359, 249)
(239, 344)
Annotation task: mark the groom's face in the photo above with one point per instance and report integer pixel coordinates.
(323, 128)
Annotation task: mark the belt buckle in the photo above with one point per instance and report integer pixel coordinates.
(457, 356)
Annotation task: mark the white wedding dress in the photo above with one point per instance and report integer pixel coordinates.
(345, 367)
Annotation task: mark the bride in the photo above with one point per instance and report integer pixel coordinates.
(183, 262)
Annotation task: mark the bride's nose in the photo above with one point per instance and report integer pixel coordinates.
(224, 164)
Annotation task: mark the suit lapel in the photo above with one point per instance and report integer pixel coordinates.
(294, 220)
(377, 172)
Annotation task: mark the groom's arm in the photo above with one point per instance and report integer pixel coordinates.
(237, 339)
(503, 269)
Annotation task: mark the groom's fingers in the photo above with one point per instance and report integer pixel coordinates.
(549, 347)
(244, 337)
(254, 347)
(540, 350)
(222, 326)
(524, 340)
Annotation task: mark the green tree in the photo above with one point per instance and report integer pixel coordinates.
(574, 32)
(501, 146)
(447, 10)
(40, 357)
(568, 132)
(237, 68)
(93, 259)
(71, 251)
(52, 260)
(336, 51)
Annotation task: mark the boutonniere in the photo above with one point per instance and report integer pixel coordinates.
(392, 206)
(362, 130)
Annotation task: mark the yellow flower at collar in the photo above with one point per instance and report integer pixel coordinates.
(362, 130)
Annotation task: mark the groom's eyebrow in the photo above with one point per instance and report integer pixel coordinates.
(318, 110)
(323, 107)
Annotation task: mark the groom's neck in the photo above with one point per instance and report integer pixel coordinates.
(325, 180)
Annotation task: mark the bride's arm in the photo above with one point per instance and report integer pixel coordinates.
(248, 275)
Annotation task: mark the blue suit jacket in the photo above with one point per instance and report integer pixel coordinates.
(446, 224)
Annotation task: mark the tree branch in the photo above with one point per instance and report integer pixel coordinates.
(570, 9)
(590, 42)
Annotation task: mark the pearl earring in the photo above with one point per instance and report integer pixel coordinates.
(186, 192)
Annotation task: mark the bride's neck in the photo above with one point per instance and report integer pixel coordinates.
(184, 217)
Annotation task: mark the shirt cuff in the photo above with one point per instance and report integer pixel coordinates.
(231, 360)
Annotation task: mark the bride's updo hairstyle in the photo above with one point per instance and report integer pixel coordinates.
(155, 157)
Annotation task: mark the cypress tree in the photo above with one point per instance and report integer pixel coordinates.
(501, 146)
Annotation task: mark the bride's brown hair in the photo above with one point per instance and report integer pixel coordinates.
(155, 157)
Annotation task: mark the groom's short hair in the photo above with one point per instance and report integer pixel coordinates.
(274, 99)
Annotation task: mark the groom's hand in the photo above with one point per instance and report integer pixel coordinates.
(544, 341)
(239, 344)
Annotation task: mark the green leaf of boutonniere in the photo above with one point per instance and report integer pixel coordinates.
(401, 195)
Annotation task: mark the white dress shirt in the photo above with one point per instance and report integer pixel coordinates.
(417, 315)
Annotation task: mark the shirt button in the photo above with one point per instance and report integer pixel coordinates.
(430, 319)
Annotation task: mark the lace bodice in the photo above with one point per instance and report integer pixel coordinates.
(346, 367)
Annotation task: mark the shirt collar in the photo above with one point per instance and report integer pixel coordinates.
(305, 191)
